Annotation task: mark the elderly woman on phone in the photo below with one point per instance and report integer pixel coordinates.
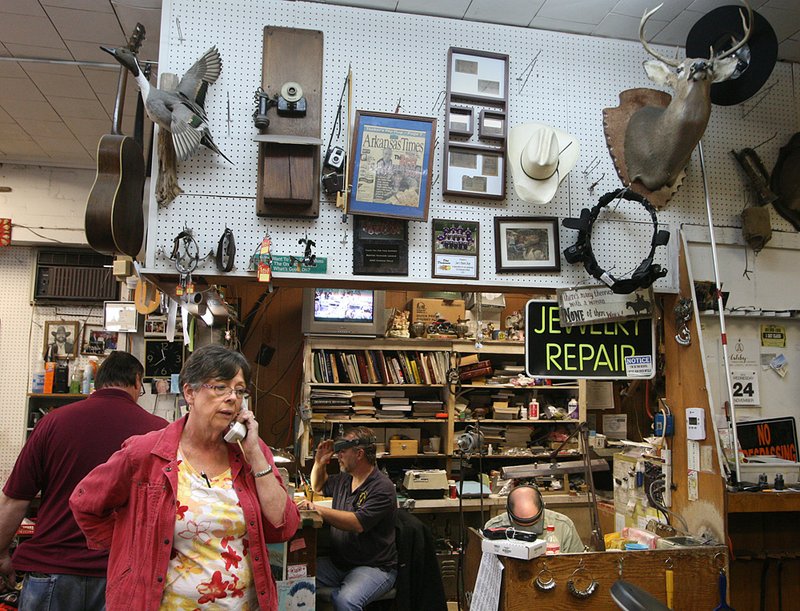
(185, 514)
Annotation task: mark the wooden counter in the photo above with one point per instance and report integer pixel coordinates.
(695, 577)
(756, 502)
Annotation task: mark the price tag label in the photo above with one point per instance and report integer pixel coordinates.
(745, 387)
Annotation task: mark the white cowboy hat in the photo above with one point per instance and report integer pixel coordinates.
(540, 157)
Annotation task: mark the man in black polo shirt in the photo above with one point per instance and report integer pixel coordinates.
(363, 562)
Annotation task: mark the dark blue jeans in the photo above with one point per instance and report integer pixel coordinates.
(63, 593)
(355, 588)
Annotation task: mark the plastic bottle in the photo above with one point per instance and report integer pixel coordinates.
(523, 412)
(572, 409)
(552, 542)
(533, 409)
(76, 382)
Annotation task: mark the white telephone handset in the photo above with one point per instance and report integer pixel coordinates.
(237, 430)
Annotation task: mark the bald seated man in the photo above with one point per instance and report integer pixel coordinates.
(529, 514)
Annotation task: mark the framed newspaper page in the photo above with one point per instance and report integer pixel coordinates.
(390, 172)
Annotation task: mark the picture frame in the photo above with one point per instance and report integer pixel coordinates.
(155, 326)
(455, 249)
(380, 246)
(492, 125)
(474, 171)
(391, 168)
(460, 120)
(480, 76)
(97, 341)
(120, 316)
(526, 244)
(61, 339)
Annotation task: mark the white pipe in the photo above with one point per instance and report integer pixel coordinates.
(720, 307)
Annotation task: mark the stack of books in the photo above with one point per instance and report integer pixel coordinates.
(363, 404)
(392, 404)
(330, 404)
(468, 372)
(426, 409)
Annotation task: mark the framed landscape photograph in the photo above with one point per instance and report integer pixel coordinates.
(455, 249)
(526, 244)
(477, 75)
(390, 173)
(96, 341)
(61, 339)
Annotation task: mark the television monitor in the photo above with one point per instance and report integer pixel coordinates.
(329, 311)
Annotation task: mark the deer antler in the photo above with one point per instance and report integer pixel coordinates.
(747, 25)
(670, 62)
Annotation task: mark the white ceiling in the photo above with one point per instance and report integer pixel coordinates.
(54, 114)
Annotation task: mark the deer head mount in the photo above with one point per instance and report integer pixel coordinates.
(660, 140)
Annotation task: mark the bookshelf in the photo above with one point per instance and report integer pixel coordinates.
(394, 386)
(339, 372)
(41, 403)
(506, 359)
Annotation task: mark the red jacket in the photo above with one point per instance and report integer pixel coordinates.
(127, 505)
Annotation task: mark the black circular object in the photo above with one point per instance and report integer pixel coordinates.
(645, 274)
(721, 29)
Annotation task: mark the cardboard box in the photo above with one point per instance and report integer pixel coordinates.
(403, 447)
(426, 310)
(524, 550)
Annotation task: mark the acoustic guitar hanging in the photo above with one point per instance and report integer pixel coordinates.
(114, 220)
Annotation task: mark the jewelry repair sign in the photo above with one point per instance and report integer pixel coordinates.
(623, 349)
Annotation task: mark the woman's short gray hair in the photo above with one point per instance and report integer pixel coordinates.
(213, 362)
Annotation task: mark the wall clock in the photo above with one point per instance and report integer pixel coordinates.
(162, 358)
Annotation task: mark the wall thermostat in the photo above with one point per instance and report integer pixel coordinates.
(695, 423)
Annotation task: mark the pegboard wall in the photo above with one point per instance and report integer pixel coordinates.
(401, 59)
(22, 338)
(15, 327)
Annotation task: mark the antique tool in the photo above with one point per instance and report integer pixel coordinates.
(226, 251)
(186, 255)
(545, 580)
(683, 314)
(582, 583)
(669, 576)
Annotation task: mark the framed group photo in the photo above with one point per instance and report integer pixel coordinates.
(61, 339)
(526, 244)
(455, 249)
(98, 342)
(390, 172)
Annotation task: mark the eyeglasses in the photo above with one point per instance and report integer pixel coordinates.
(141, 390)
(220, 390)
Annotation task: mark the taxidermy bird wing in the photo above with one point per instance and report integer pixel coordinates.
(188, 129)
(195, 82)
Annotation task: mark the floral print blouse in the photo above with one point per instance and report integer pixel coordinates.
(209, 565)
